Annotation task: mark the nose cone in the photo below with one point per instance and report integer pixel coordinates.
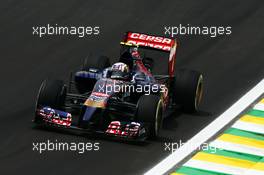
(89, 111)
(95, 104)
(97, 100)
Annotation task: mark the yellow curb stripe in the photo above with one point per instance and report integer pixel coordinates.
(252, 119)
(176, 174)
(242, 140)
(258, 166)
(219, 159)
(262, 101)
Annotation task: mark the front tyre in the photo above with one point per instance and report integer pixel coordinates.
(52, 93)
(149, 111)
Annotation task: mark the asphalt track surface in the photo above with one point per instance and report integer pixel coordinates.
(231, 66)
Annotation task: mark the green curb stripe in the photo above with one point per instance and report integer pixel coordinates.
(195, 171)
(247, 134)
(262, 160)
(232, 154)
(256, 113)
(229, 154)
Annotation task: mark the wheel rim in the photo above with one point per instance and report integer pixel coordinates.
(199, 92)
(158, 118)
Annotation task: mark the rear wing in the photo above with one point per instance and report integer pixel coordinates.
(164, 44)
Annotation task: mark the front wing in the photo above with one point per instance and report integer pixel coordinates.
(125, 130)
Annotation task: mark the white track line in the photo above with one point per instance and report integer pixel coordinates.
(214, 127)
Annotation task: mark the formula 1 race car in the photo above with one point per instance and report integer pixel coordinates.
(125, 100)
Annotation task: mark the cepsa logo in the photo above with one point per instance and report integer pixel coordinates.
(150, 41)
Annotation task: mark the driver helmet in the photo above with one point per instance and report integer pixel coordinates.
(120, 71)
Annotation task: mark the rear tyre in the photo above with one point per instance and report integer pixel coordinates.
(84, 85)
(96, 62)
(188, 89)
(149, 111)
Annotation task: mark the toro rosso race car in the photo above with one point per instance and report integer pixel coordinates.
(122, 100)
